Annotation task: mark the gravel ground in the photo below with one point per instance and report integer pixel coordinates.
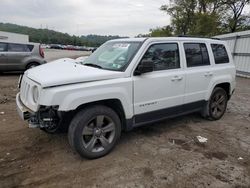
(164, 154)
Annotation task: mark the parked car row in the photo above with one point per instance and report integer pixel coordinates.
(67, 47)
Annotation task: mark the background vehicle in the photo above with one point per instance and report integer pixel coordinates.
(20, 56)
(57, 46)
(124, 84)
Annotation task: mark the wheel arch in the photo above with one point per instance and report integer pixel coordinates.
(114, 104)
(30, 63)
(224, 85)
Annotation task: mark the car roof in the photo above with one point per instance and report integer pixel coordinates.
(158, 39)
(26, 43)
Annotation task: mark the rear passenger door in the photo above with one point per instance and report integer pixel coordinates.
(17, 53)
(198, 73)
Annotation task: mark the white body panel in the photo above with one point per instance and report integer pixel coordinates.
(66, 71)
(69, 97)
(158, 90)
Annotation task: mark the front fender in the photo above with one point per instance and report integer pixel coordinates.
(70, 97)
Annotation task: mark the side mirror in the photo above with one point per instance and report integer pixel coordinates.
(144, 67)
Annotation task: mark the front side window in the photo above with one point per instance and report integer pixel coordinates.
(196, 54)
(220, 53)
(164, 56)
(113, 55)
(18, 48)
(3, 47)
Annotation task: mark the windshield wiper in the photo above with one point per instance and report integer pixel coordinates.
(93, 65)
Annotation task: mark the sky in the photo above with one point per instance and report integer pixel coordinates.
(83, 17)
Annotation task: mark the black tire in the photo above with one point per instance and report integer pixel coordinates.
(217, 104)
(54, 130)
(90, 131)
(32, 65)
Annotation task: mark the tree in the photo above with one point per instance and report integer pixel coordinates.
(207, 17)
(166, 31)
(205, 24)
(234, 18)
(182, 14)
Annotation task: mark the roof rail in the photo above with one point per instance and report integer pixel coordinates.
(190, 36)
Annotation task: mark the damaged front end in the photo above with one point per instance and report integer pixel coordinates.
(46, 118)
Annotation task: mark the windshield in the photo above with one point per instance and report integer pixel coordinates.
(113, 55)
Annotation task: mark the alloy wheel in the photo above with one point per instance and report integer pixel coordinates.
(98, 134)
(218, 104)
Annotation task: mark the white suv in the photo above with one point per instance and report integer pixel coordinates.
(124, 84)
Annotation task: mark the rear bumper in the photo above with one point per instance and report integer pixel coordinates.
(22, 110)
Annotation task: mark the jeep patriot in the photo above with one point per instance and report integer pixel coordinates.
(124, 84)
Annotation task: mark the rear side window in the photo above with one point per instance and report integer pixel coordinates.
(196, 54)
(30, 47)
(220, 53)
(164, 56)
(3, 47)
(19, 48)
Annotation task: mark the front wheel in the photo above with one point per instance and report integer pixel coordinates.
(217, 104)
(94, 131)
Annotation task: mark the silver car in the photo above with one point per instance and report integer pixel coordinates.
(20, 57)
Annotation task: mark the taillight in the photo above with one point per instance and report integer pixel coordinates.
(41, 51)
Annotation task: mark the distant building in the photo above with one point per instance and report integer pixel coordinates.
(13, 37)
(239, 44)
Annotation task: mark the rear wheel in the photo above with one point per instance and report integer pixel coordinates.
(31, 65)
(217, 104)
(94, 131)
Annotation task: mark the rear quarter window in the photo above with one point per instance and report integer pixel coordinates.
(220, 53)
(19, 47)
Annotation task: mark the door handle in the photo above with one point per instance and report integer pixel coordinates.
(176, 78)
(208, 74)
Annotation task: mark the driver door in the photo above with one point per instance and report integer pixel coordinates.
(159, 93)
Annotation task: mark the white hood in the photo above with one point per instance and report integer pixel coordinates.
(67, 71)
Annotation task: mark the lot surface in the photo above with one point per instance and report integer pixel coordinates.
(164, 154)
(52, 54)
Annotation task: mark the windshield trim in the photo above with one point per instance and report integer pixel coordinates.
(123, 69)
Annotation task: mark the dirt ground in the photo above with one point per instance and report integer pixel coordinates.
(164, 154)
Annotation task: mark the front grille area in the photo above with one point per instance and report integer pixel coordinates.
(24, 91)
(26, 95)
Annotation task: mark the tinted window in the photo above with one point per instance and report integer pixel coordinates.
(3, 47)
(220, 53)
(164, 56)
(196, 54)
(30, 47)
(18, 48)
